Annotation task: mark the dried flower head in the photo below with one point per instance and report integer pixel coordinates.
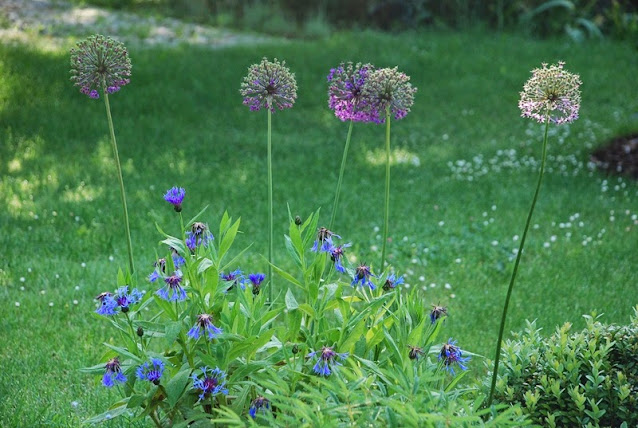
(100, 62)
(415, 352)
(212, 383)
(388, 88)
(345, 92)
(437, 312)
(269, 85)
(551, 94)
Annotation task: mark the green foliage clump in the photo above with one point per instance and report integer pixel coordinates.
(588, 378)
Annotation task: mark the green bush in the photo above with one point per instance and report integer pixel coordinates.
(588, 378)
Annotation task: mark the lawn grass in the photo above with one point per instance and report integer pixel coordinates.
(181, 122)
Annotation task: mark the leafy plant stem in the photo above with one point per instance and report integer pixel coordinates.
(119, 176)
(516, 263)
(341, 171)
(386, 211)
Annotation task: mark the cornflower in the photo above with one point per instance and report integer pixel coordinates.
(259, 403)
(175, 196)
(256, 279)
(234, 278)
(392, 282)
(151, 371)
(173, 290)
(362, 275)
(326, 360)
(415, 352)
(204, 322)
(437, 312)
(336, 254)
(113, 373)
(122, 299)
(452, 355)
(324, 240)
(212, 383)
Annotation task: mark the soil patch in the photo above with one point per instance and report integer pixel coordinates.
(619, 156)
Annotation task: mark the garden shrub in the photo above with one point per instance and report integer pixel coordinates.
(586, 378)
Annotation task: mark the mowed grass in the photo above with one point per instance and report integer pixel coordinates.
(464, 173)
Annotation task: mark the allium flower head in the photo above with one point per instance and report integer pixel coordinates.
(100, 62)
(345, 92)
(256, 279)
(326, 360)
(324, 240)
(452, 355)
(437, 312)
(212, 383)
(113, 373)
(269, 85)
(389, 88)
(151, 371)
(204, 323)
(551, 94)
(259, 403)
(392, 282)
(362, 276)
(173, 290)
(175, 196)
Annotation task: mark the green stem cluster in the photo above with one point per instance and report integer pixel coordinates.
(497, 357)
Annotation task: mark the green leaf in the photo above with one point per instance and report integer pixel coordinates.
(291, 302)
(285, 275)
(171, 331)
(228, 238)
(114, 411)
(198, 215)
(176, 386)
(125, 352)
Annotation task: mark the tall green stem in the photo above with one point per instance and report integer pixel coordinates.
(270, 221)
(386, 214)
(341, 171)
(497, 357)
(119, 176)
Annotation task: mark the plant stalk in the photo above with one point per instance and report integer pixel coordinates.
(386, 214)
(270, 208)
(341, 172)
(497, 357)
(119, 176)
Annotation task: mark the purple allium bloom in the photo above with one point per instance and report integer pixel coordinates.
(345, 92)
(451, 354)
(551, 94)
(259, 403)
(392, 282)
(389, 88)
(113, 373)
(108, 305)
(415, 352)
(362, 275)
(204, 322)
(212, 383)
(324, 240)
(269, 85)
(152, 371)
(100, 62)
(326, 359)
(173, 290)
(175, 196)
(234, 278)
(256, 279)
(336, 253)
(437, 312)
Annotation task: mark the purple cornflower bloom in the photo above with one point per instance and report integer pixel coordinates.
(437, 312)
(212, 383)
(259, 403)
(194, 240)
(173, 290)
(178, 261)
(113, 373)
(336, 253)
(415, 352)
(234, 278)
(160, 268)
(326, 359)
(324, 240)
(345, 92)
(152, 371)
(100, 62)
(388, 88)
(551, 94)
(392, 282)
(269, 85)
(175, 196)
(204, 322)
(362, 275)
(451, 354)
(124, 299)
(108, 305)
(256, 279)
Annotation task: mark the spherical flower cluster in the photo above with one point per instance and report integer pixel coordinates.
(212, 383)
(151, 371)
(345, 92)
(204, 324)
(452, 355)
(269, 85)
(326, 360)
(388, 88)
(551, 94)
(100, 62)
